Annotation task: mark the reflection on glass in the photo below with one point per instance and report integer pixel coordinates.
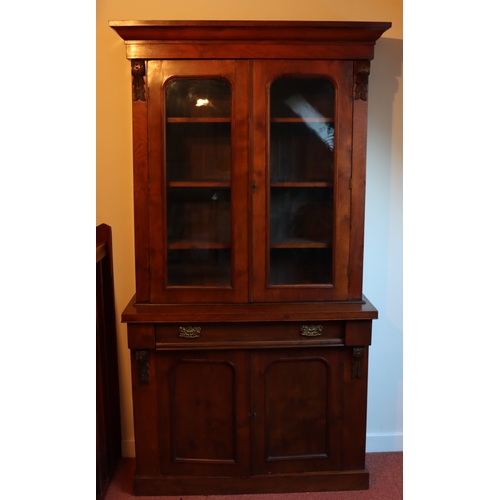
(198, 171)
(312, 118)
(202, 102)
(194, 97)
(301, 163)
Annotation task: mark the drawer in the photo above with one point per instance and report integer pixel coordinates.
(230, 335)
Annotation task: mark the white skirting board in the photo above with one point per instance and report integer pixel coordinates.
(389, 442)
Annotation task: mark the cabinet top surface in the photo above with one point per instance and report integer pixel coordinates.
(254, 312)
(242, 23)
(265, 30)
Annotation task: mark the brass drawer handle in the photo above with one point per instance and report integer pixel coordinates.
(189, 332)
(311, 330)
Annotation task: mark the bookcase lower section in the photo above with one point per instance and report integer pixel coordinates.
(232, 407)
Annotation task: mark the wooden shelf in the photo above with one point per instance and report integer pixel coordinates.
(302, 120)
(198, 120)
(300, 243)
(200, 184)
(198, 245)
(302, 184)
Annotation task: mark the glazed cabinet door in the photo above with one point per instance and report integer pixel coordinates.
(198, 180)
(203, 413)
(297, 410)
(301, 179)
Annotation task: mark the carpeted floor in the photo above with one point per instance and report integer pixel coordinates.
(386, 483)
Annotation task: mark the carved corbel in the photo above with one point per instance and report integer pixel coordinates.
(362, 70)
(358, 354)
(142, 358)
(138, 84)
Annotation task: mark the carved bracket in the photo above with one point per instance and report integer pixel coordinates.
(138, 84)
(189, 332)
(142, 358)
(311, 330)
(357, 363)
(362, 70)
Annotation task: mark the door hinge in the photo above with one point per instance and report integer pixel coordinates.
(350, 183)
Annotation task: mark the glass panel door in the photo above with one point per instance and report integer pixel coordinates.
(197, 181)
(301, 170)
(301, 173)
(198, 163)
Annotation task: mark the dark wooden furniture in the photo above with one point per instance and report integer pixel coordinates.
(108, 429)
(249, 331)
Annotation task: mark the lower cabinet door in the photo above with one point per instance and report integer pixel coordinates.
(297, 414)
(203, 401)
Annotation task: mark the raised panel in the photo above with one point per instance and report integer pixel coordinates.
(298, 415)
(202, 398)
(203, 413)
(294, 407)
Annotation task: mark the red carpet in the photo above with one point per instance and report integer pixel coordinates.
(386, 483)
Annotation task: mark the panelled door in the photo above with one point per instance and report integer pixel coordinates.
(203, 413)
(297, 409)
(212, 419)
(198, 179)
(301, 179)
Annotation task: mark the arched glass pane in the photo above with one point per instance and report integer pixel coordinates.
(301, 159)
(198, 173)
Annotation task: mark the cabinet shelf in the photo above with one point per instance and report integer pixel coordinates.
(300, 243)
(197, 245)
(200, 184)
(302, 120)
(302, 184)
(184, 119)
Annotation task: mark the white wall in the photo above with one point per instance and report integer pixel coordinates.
(383, 244)
(383, 262)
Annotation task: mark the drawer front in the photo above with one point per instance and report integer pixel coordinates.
(229, 335)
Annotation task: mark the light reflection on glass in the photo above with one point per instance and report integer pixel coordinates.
(303, 109)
